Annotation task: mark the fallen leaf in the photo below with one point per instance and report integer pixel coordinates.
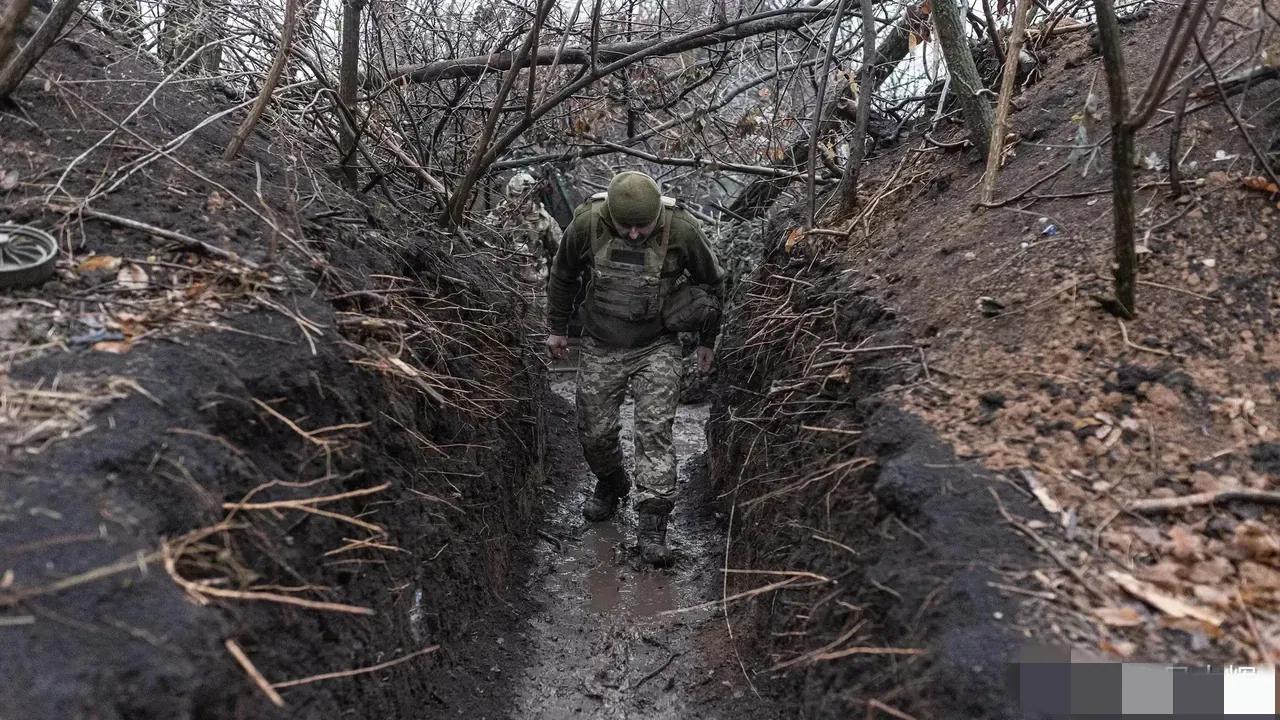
(793, 237)
(1212, 571)
(1122, 648)
(1185, 543)
(1163, 396)
(8, 179)
(1165, 603)
(1212, 596)
(115, 347)
(131, 324)
(1260, 576)
(1038, 489)
(1164, 573)
(1192, 626)
(99, 263)
(1148, 535)
(1255, 540)
(132, 277)
(1260, 183)
(1123, 616)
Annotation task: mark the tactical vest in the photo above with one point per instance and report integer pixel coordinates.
(627, 280)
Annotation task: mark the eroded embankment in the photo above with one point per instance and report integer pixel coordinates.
(310, 442)
(893, 544)
(251, 415)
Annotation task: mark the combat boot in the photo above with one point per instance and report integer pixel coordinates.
(603, 503)
(652, 534)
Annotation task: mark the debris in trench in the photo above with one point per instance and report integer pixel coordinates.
(27, 256)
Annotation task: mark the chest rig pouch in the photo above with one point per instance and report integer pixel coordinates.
(627, 279)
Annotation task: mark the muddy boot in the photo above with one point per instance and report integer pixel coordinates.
(652, 534)
(609, 492)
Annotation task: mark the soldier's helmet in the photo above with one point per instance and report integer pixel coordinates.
(519, 187)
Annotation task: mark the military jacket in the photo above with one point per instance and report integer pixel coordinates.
(627, 281)
(534, 235)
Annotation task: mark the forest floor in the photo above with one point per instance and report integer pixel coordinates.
(1064, 428)
(1138, 442)
(1092, 416)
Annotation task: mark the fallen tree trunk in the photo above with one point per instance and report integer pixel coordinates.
(724, 31)
(475, 66)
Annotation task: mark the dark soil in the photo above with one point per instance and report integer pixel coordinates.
(136, 412)
(871, 425)
(831, 480)
(879, 349)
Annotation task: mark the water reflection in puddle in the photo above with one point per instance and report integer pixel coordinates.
(613, 583)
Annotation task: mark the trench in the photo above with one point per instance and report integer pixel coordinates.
(601, 636)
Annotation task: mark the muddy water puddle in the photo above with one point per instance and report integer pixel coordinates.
(605, 637)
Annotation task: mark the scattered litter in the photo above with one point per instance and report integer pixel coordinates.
(989, 306)
(1123, 616)
(99, 263)
(1161, 601)
(27, 256)
(97, 335)
(132, 277)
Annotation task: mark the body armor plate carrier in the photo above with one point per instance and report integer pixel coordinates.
(627, 280)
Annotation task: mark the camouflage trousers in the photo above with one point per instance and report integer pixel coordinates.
(652, 373)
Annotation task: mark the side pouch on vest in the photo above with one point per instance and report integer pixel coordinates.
(690, 308)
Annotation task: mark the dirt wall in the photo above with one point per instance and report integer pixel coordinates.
(889, 540)
(176, 423)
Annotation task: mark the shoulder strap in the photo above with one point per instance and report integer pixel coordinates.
(599, 240)
(666, 238)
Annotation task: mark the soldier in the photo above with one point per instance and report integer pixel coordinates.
(534, 234)
(639, 247)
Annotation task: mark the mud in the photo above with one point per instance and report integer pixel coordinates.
(603, 637)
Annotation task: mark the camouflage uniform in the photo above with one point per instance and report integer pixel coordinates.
(652, 373)
(625, 344)
(534, 236)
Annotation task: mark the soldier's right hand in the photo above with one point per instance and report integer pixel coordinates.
(558, 346)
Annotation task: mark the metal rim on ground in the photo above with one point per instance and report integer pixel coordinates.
(27, 255)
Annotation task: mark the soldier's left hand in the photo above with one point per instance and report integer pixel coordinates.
(706, 358)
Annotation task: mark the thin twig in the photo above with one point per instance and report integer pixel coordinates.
(873, 705)
(138, 561)
(1159, 505)
(357, 671)
(186, 241)
(252, 672)
(1124, 334)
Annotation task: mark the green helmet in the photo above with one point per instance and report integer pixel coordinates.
(633, 199)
